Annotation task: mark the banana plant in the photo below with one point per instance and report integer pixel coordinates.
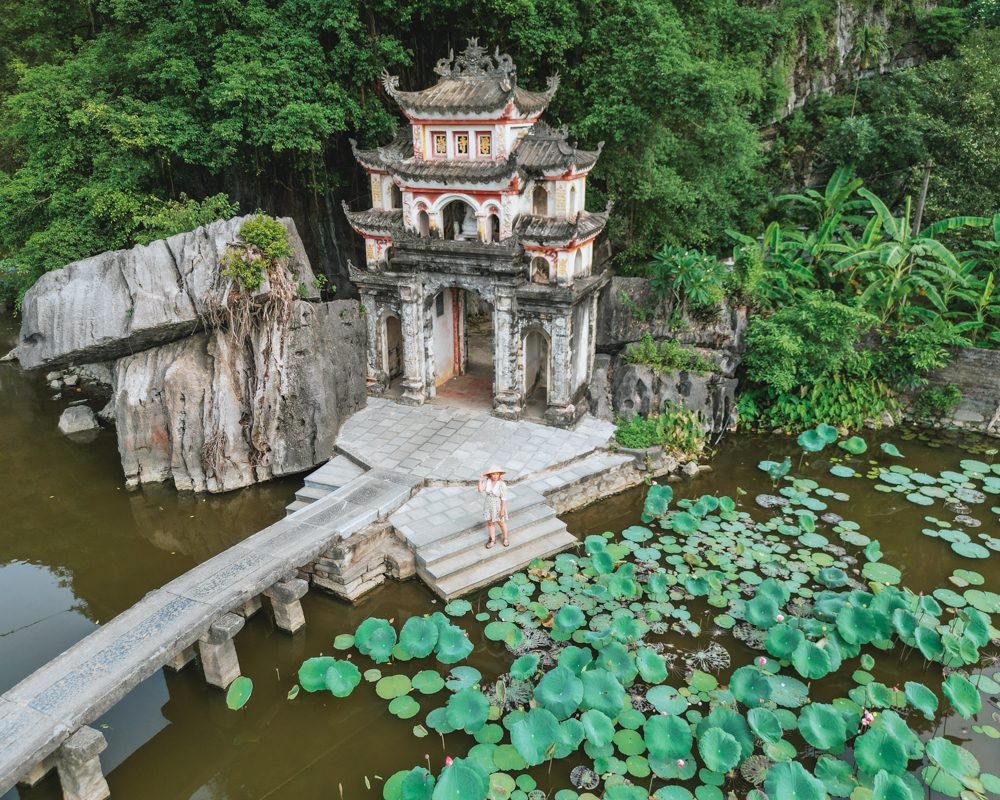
(898, 264)
(836, 200)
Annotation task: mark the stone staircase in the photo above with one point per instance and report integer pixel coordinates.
(444, 528)
(335, 473)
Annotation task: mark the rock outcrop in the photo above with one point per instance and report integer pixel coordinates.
(213, 415)
(119, 303)
(77, 419)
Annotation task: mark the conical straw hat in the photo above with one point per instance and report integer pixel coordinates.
(492, 469)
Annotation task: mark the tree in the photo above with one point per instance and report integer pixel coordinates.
(868, 44)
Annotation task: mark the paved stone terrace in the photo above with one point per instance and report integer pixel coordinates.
(454, 445)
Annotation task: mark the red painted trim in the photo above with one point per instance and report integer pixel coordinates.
(479, 122)
(454, 327)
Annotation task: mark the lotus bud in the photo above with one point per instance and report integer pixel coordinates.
(762, 661)
(680, 762)
(447, 761)
(780, 617)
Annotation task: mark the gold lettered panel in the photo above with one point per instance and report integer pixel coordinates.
(377, 191)
(560, 198)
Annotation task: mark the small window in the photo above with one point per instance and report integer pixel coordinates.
(439, 304)
(462, 144)
(540, 201)
(395, 197)
(440, 145)
(485, 145)
(539, 270)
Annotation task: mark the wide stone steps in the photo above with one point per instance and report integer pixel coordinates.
(335, 473)
(444, 527)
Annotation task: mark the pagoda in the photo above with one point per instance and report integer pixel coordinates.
(480, 198)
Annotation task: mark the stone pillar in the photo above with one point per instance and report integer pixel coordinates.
(249, 608)
(560, 411)
(285, 597)
(79, 765)
(182, 659)
(377, 380)
(218, 653)
(507, 402)
(412, 323)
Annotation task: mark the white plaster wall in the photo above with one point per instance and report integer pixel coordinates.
(444, 346)
(580, 340)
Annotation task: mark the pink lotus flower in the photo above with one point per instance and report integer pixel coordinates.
(780, 617)
(762, 661)
(447, 761)
(680, 762)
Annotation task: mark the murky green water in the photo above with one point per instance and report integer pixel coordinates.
(77, 549)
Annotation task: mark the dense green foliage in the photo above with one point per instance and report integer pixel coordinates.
(667, 356)
(264, 241)
(676, 430)
(937, 401)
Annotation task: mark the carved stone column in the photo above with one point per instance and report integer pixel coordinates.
(285, 597)
(79, 765)
(377, 378)
(218, 653)
(412, 323)
(560, 411)
(507, 398)
(249, 608)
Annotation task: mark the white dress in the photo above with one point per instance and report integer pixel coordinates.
(496, 495)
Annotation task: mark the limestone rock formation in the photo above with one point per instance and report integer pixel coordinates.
(214, 416)
(119, 303)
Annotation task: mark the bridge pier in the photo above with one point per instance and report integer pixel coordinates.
(182, 659)
(39, 771)
(79, 765)
(249, 608)
(285, 597)
(218, 653)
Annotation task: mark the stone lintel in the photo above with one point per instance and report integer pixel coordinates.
(287, 591)
(223, 630)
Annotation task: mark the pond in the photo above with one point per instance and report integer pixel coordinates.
(179, 740)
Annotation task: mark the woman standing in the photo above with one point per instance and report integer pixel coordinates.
(492, 484)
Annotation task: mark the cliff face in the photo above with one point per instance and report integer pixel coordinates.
(191, 412)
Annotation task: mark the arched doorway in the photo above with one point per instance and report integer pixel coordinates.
(423, 223)
(460, 221)
(462, 344)
(535, 373)
(540, 201)
(392, 347)
(493, 228)
(539, 270)
(395, 196)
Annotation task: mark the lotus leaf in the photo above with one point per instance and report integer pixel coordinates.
(751, 686)
(597, 728)
(811, 441)
(602, 692)
(882, 573)
(856, 624)
(791, 781)
(341, 678)
(732, 723)
(652, 666)
(312, 673)
(855, 445)
(890, 787)
(666, 700)
(832, 577)
(836, 776)
(952, 759)
(404, 707)
(457, 608)
(604, 562)
(629, 742)
(568, 619)
(823, 726)
(940, 781)
(877, 750)
(239, 692)
(375, 638)
(842, 471)
(920, 499)
(625, 792)
(460, 781)
(762, 612)
(684, 523)
(559, 691)
(463, 678)
(428, 681)
(667, 737)
(810, 660)
(392, 686)
(452, 645)
(417, 784)
(988, 602)
(343, 642)
(534, 734)
(970, 550)
(719, 750)
(764, 724)
(576, 658)
(525, 666)
(963, 695)
(890, 449)
(657, 500)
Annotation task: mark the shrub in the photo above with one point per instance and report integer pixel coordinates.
(677, 430)
(265, 240)
(688, 278)
(939, 401)
(667, 356)
(941, 30)
(181, 216)
(907, 354)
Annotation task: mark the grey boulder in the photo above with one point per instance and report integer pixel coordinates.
(119, 303)
(78, 419)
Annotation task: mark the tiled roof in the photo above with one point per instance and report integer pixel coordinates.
(543, 148)
(401, 147)
(560, 231)
(374, 222)
(472, 84)
(463, 171)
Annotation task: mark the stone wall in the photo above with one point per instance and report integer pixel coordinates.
(976, 373)
(627, 390)
(213, 416)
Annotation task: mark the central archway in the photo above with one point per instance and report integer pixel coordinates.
(535, 373)
(459, 220)
(461, 325)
